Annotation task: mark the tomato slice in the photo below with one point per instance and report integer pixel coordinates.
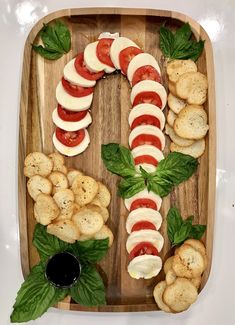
(143, 203)
(146, 120)
(144, 248)
(76, 91)
(126, 55)
(146, 139)
(103, 50)
(70, 116)
(149, 97)
(143, 225)
(70, 139)
(145, 159)
(83, 71)
(147, 72)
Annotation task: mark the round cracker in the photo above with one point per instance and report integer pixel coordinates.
(59, 181)
(85, 189)
(176, 68)
(180, 295)
(158, 293)
(199, 246)
(37, 185)
(168, 264)
(103, 233)
(89, 222)
(36, 163)
(103, 195)
(72, 174)
(175, 104)
(45, 209)
(100, 209)
(196, 281)
(58, 162)
(170, 277)
(64, 230)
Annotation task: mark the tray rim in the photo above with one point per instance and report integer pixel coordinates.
(197, 29)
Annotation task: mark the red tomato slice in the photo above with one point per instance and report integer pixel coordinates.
(126, 55)
(145, 159)
(147, 72)
(149, 97)
(143, 203)
(146, 120)
(143, 225)
(70, 116)
(146, 139)
(70, 139)
(103, 49)
(76, 91)
(143, 248)
(83, 71)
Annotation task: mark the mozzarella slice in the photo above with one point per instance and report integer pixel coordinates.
(147, 149)
(147, 109)
(71, 151)
(145, 266)
(70, 74)
(143, 214)
(146, 235)
(117, 46)
(141, 60)
(149, 85)
(72, 103)
(92, 62)
(108, 35)
(145, 194)
(147, 129)
(71, 126)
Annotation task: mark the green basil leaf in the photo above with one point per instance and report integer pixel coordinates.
(183, 233)
(166, 41)
(144, 173)
(174, 223)
(197, 231)
(63, 35)
(50, 39)
(35, 296)
(130, 186)
(90, 250)
(46, 53)
(89, 290)
(46, 244)
(182, 35)
(159, 185)
(195, 50)
(118, 159)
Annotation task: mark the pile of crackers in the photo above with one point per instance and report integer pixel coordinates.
(183, 274)
(186, 119)
(72, 205)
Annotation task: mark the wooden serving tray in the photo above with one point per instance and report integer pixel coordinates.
(110, 110)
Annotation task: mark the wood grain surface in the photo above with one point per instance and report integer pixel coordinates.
(110, 108)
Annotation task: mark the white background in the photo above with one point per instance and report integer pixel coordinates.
(216, 304)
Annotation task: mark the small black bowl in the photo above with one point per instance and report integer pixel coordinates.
(63, 270)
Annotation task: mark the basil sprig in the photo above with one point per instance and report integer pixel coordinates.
(56, 39)
(179, 45)
(171, 171)
(179, 230)
(36, 294)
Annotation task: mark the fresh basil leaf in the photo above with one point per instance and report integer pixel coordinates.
(159, 185)
(144, 173)
(35, 296)
(174, 223)
(182, 35)
(63, 35)
(118, 159)
(197, 231)
(89, 290)
(166, 41)
(50, 39)
(183, 233)
(90, 250)
(46, 244)
(130, 186)
(196, 50)
(46, 53)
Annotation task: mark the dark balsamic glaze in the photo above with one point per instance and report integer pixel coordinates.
(63, 270)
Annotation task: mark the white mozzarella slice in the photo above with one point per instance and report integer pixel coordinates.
(145, 267)
(117, 46)
(147, 149)
(71, 126)
(143, 214)
(139, 61)
(92, 62)
(71, 151)
(149, 85)
(108, 35)
(70, 74)
(146, 235)
(72, 103)
(145, 194)
(147, 109)
(147, 129)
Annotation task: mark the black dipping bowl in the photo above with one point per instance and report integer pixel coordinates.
(63, 270)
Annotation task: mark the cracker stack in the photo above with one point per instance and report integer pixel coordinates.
(72, 205)
(183, 273)
(186, 119)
